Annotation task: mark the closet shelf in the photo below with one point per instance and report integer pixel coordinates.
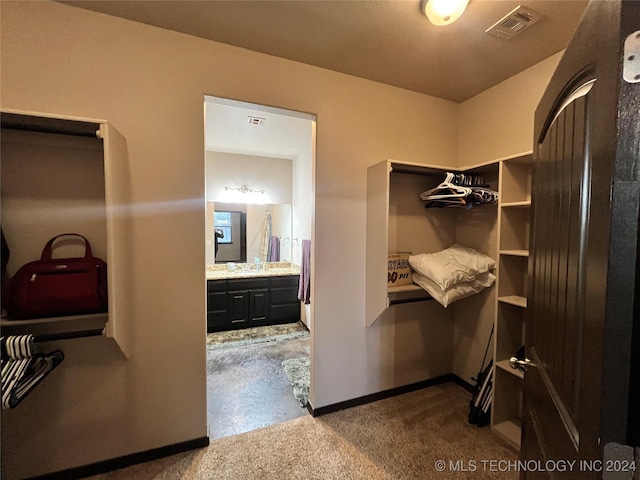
(516, 300)
(54, 325)
(510, 431)
(407, 294)
(515, 253)
(504, 365)
(521, 204)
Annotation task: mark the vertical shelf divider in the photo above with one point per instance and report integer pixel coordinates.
(513, 237)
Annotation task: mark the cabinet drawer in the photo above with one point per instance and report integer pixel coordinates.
(288, 281)
(216, 301)
(247, 284)
(216, 286)
(289, 312)
(216, 319)
(284, 295)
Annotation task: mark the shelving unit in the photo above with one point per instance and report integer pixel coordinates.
(514, 225)
(63, 175)
(397, 222)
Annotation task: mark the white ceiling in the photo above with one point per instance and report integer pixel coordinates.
(383, 40)
(284, 134)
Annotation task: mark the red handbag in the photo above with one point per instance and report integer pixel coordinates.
(62, 286)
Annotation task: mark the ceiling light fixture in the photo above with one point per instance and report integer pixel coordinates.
(444, 12)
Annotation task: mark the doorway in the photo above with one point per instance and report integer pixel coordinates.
(259, 197)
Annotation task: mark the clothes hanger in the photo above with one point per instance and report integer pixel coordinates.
(445, 190)
(23, 369)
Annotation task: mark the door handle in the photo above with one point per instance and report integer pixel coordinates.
(515, 362)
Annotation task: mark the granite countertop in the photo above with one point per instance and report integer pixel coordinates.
(249, 270)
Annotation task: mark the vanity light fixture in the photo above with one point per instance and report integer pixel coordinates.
(444, 12)
(244, 189)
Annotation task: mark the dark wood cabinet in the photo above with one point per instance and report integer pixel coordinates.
(285, 305)
(238, 307)
(251, 302)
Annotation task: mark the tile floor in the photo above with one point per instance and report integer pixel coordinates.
(248, 389)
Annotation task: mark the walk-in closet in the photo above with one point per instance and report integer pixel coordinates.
(399, 221)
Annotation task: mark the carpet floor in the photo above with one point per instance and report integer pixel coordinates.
(399, 438)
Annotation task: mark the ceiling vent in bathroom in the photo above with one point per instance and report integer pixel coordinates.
(256, 121)
(514, 23)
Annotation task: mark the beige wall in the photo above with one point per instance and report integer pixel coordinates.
(150, 84)
(499, 121)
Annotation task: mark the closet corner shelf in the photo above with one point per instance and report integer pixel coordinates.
(516, 300)
(524, 203)
(504, 365)
(510, 431)
(407, 294)
(54, 325)
(515, 253)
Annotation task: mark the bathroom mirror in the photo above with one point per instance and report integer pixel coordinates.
(244, 232)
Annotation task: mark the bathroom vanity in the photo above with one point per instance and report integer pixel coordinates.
(250, 297)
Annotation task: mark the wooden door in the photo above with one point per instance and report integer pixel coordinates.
(583, 255)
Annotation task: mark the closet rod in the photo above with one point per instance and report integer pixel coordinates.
(29, 123)
(410, 300)
(67, 335)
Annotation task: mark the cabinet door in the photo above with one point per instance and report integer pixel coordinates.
(259, 305)
(238, 307)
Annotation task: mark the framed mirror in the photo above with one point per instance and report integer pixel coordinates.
(244, 232)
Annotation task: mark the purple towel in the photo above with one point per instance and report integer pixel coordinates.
(274, 249)
(304, 289)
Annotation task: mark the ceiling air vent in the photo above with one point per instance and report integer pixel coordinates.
(256, 121)
(513, 23)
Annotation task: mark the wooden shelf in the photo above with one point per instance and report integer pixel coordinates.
(521, 204)
(514, 225)
(516, 300)
(504, 365)
(407, 294)
(54, 324)
(510, 431)
(516, 253)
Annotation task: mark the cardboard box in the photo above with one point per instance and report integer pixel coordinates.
(398, 269)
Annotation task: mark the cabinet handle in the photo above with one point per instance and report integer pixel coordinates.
(237, 321)
(238, 296)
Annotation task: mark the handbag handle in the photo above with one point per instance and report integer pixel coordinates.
(46, 252)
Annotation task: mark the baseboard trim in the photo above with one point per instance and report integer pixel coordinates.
(449, 377)
(125, 461)
(464, 384)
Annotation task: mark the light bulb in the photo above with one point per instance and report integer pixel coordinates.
(444, 12)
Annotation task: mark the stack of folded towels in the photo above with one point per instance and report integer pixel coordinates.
(454, 273)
